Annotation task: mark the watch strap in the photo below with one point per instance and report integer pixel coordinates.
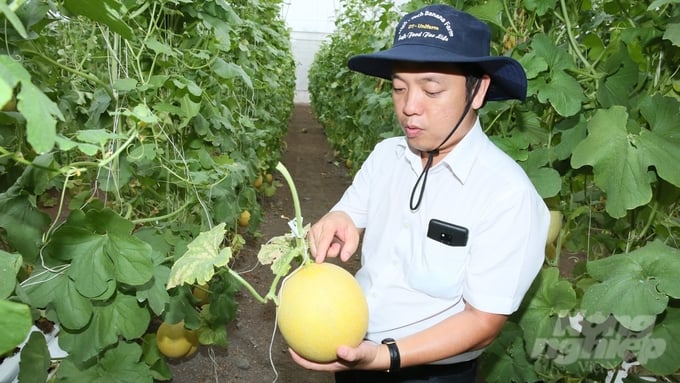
(395, 358)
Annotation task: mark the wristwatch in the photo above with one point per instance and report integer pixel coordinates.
(395, 359)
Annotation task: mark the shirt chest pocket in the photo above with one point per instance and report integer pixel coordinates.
(438, 269)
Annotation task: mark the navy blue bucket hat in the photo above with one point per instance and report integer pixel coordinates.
(442, 34)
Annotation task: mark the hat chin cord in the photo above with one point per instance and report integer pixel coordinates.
(435, 152)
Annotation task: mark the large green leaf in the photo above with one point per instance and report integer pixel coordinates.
(673, 33)
(35, 359)
(121, 317)
(204, 253)
(661, 353)
(550, 300)
(45, 283)
(634, 287)
(120, 364)
(13, 19)
(15, 322)
(107, 12)
(40, 112)
(154, 291)
(23, 222)
(102, 252)
(562, 91)
(617, 164)
(10, 264)
(505, 360)
(621, 76)
(73, 309)
(660, 145)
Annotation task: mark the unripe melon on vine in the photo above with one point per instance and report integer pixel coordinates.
(555, 225)
(321, 307)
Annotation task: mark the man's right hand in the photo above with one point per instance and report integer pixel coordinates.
(333, 235)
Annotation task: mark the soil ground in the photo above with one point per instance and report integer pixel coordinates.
(252, 356)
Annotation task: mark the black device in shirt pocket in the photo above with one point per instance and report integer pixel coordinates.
(447, 233)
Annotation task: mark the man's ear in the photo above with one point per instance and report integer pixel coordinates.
(484, 83)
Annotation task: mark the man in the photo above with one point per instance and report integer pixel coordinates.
(453, 230)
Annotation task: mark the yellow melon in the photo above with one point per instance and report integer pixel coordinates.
(321, 307)
(175, 341)
(555, 225)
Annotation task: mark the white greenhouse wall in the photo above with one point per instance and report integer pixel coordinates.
(310, 21)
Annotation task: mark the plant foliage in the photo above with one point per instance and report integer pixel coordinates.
(129, 127)
(598, 135)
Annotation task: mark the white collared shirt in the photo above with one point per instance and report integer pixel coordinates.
(412, 282)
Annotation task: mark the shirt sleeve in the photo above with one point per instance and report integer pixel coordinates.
(507, 252)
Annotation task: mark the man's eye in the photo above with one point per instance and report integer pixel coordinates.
(398, 90)
(432, 94)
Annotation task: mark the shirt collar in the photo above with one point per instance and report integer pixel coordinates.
(459, 161)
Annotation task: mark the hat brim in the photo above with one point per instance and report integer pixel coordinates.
(508, 79)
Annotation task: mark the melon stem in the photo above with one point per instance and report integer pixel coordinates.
(299, 240)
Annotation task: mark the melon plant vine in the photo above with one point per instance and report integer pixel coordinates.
(599, 137)
(129, 127)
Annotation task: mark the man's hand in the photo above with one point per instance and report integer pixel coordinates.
(332, 236)
(367, 356)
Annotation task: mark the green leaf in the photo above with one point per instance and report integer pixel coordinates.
(549, 299)
(35, 359)
(557, 58)
(533, 64)
(280, 252)
(44, 285)
(661, 354)
(23, 223)
(98, 136)
(13, 19)
(660, 146)
(131, 257)
(617, 165)
(621, 76)
(541, 7)
(6, 92)
(160, 48)
(672, 33)
(197, 264)
(563, 92)
(121, 317)
(546, 180)
(156, 361)
(125, 84)
(40, 113)
(73, 309)
(102, 252)
(17, 317)
(230, 70)
(155, 292)
(38, 110)
(120, 364)
(490, 11)
(505, 360)
(107, 12)
(10, 264)
(633, 287)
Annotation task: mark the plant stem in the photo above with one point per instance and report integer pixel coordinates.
(162, 217)
(572, 39)
(299, 240)
(127, 143)
(248, 286)
(74, 71)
